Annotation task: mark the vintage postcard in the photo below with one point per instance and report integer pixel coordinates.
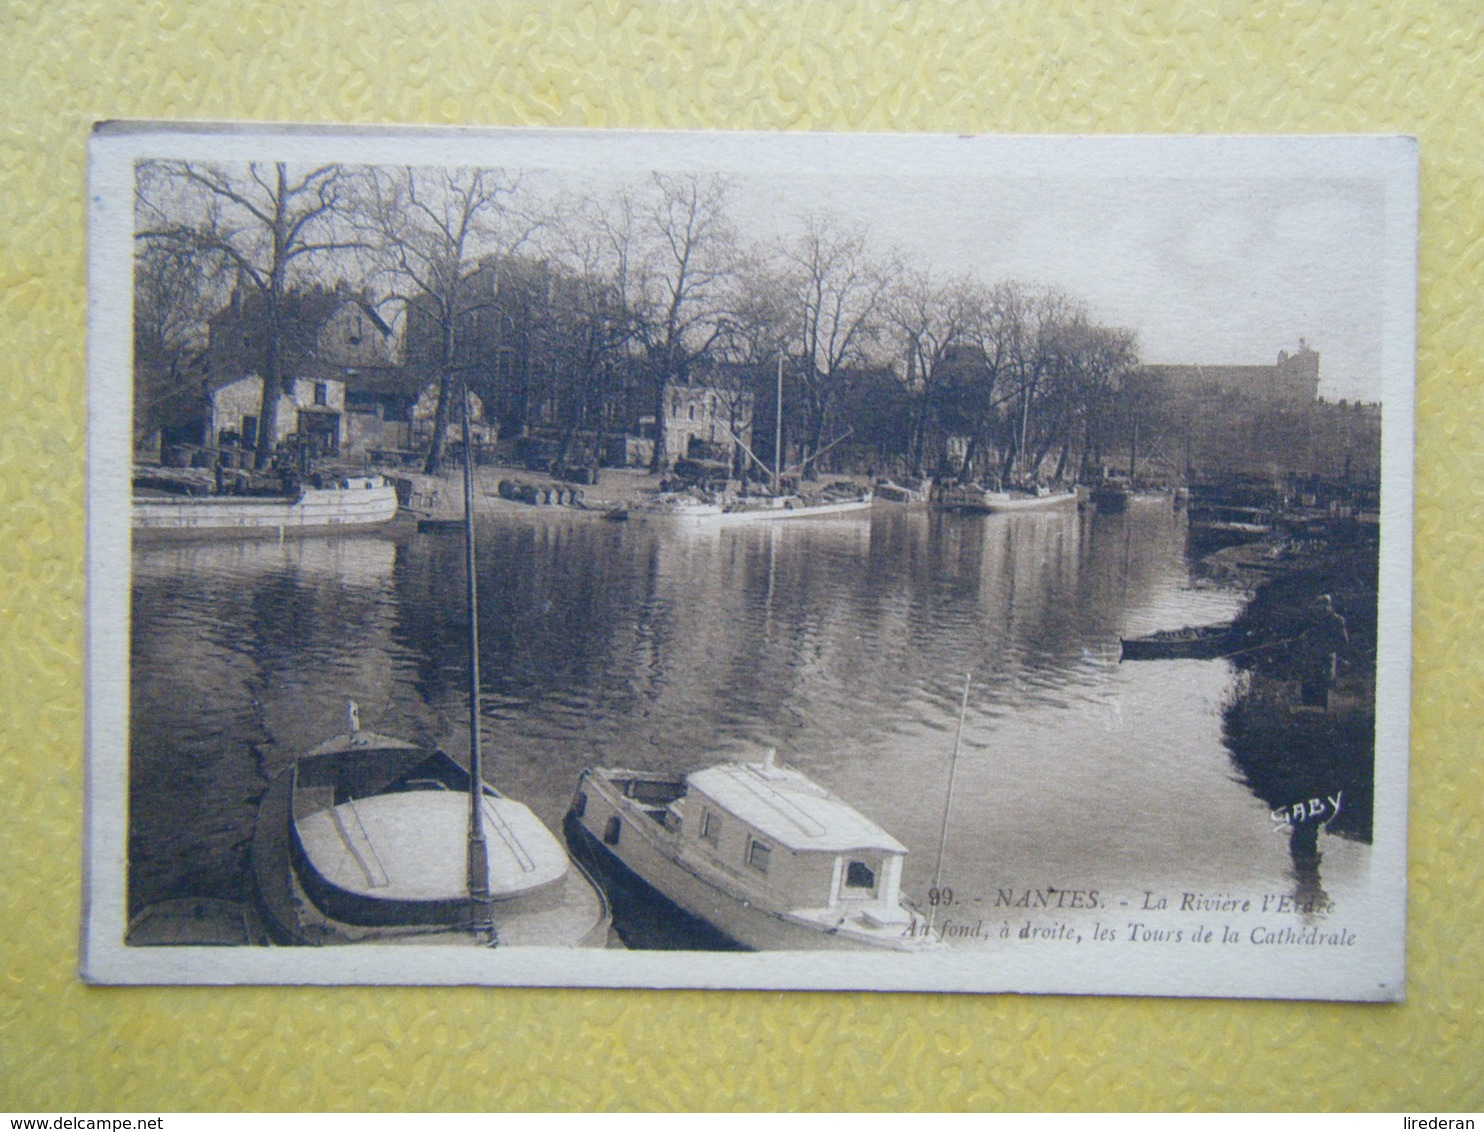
(780, 561)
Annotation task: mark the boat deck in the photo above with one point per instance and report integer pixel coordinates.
(414, 846)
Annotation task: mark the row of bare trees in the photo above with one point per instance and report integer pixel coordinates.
(497, 278)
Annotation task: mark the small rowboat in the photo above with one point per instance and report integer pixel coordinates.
(367, 838)
(1200, 642)
(364, 839)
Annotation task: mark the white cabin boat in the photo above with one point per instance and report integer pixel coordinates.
(365, 839)
(356, 502)
(757, 851)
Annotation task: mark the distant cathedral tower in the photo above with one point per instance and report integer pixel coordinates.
(1296, 376)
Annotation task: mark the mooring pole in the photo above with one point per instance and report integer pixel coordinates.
(479, 877)
(935, 894)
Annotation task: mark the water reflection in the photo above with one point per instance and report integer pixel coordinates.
(669, 647)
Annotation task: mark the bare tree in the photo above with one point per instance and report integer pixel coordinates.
(176, 290)
(432, 226)
(1045, 374)
(586, 329)
(265, 222)
(935, 327)
(754, 335)
(837, 292)
(678, 256)
(1111, 400)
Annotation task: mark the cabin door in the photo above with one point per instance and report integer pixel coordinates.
(857, 879)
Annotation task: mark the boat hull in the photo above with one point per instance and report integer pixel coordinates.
(299, 906)
(316, 511)
(793, 513)
(643, 917)
(1206, 643)
(996, 503)
(716, 514)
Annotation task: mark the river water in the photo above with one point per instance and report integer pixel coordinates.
(668, 645)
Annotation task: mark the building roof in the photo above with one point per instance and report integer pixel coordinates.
(788, 808)
(395, 382)
(237, 336)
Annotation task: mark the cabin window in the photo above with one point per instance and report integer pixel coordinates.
(692, 412)
(321, 393)
(757, 855)
(612, 831)
(579, 804)
(710, 827)
(858, 874)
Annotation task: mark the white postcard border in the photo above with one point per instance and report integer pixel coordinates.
(1374, 969)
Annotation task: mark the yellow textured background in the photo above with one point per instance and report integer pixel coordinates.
(1239, 66)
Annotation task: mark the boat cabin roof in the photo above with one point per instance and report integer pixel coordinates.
(782, 804)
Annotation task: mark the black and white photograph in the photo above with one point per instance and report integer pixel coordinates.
(579, 558)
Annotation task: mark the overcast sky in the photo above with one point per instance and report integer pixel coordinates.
(1207, 271)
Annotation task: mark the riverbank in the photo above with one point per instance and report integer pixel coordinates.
(442, 496)
(1291, 752)
(527, 492)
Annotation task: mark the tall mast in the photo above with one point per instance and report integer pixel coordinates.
(948, 807)
(778, 430)
(479, 880)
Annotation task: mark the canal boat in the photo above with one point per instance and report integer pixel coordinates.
(757, 851)
(729, 510)
(1199, 642)
(365, 839)
(353, 502)
(834, 501)
(973, 498)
